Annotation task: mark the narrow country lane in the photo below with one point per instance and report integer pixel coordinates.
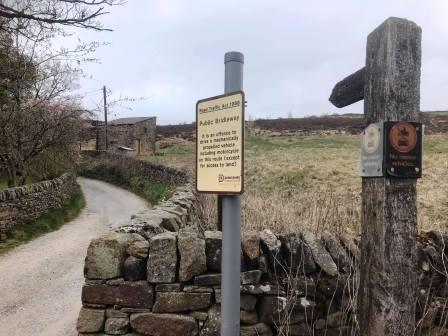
(40, 282)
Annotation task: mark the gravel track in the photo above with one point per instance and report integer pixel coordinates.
(40, 282)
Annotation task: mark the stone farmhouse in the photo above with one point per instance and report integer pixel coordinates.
(137, 133)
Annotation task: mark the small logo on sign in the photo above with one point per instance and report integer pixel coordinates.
(403, 137)
(223, 178)
(371, 139)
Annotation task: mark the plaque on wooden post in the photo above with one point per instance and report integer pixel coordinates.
(392, 149)
(403, 151)
(372, 143)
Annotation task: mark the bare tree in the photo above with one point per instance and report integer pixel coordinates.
(51, 13)
(50, 127)
(41, 121)
(37, 113)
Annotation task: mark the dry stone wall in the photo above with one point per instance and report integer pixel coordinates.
(142, 168)
(160, 275)
(31, 201)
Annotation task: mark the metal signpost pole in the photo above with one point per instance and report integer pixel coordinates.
(231, 223)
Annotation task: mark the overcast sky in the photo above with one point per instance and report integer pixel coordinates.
(172, 51)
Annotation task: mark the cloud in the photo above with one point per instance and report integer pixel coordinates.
(167, 9)
(173, 50)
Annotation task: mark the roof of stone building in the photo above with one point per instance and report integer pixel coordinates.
(128, 121)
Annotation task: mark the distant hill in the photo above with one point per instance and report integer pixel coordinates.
(435, 122)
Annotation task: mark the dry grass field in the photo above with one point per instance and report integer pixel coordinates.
(312, 182)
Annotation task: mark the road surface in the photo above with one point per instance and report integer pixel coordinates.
(40, 282)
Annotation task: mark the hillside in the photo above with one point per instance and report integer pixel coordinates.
(436, 122)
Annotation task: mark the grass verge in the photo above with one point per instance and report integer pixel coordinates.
(153, 192)
(3, 182)
(50, 221)
(104, 170)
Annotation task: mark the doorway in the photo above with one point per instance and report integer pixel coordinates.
(137, 146)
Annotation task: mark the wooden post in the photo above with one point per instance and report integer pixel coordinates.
(388, 281)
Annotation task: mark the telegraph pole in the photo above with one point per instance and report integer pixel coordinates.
(105, 117)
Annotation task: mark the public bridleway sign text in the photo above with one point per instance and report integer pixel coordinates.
(220, 144)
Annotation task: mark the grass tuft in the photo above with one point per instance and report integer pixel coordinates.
(152, 191)
(50, 221)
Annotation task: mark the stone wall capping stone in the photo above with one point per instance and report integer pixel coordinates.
(297, 255)
(320, 254)
(169, 221)
(337, 252)
(193, 260)
(146, 230)
(250, 244)
(271, 246)
(106, 255)
(162, 258)
(348, 240)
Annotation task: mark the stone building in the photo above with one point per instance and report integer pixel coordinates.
(138, 133)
